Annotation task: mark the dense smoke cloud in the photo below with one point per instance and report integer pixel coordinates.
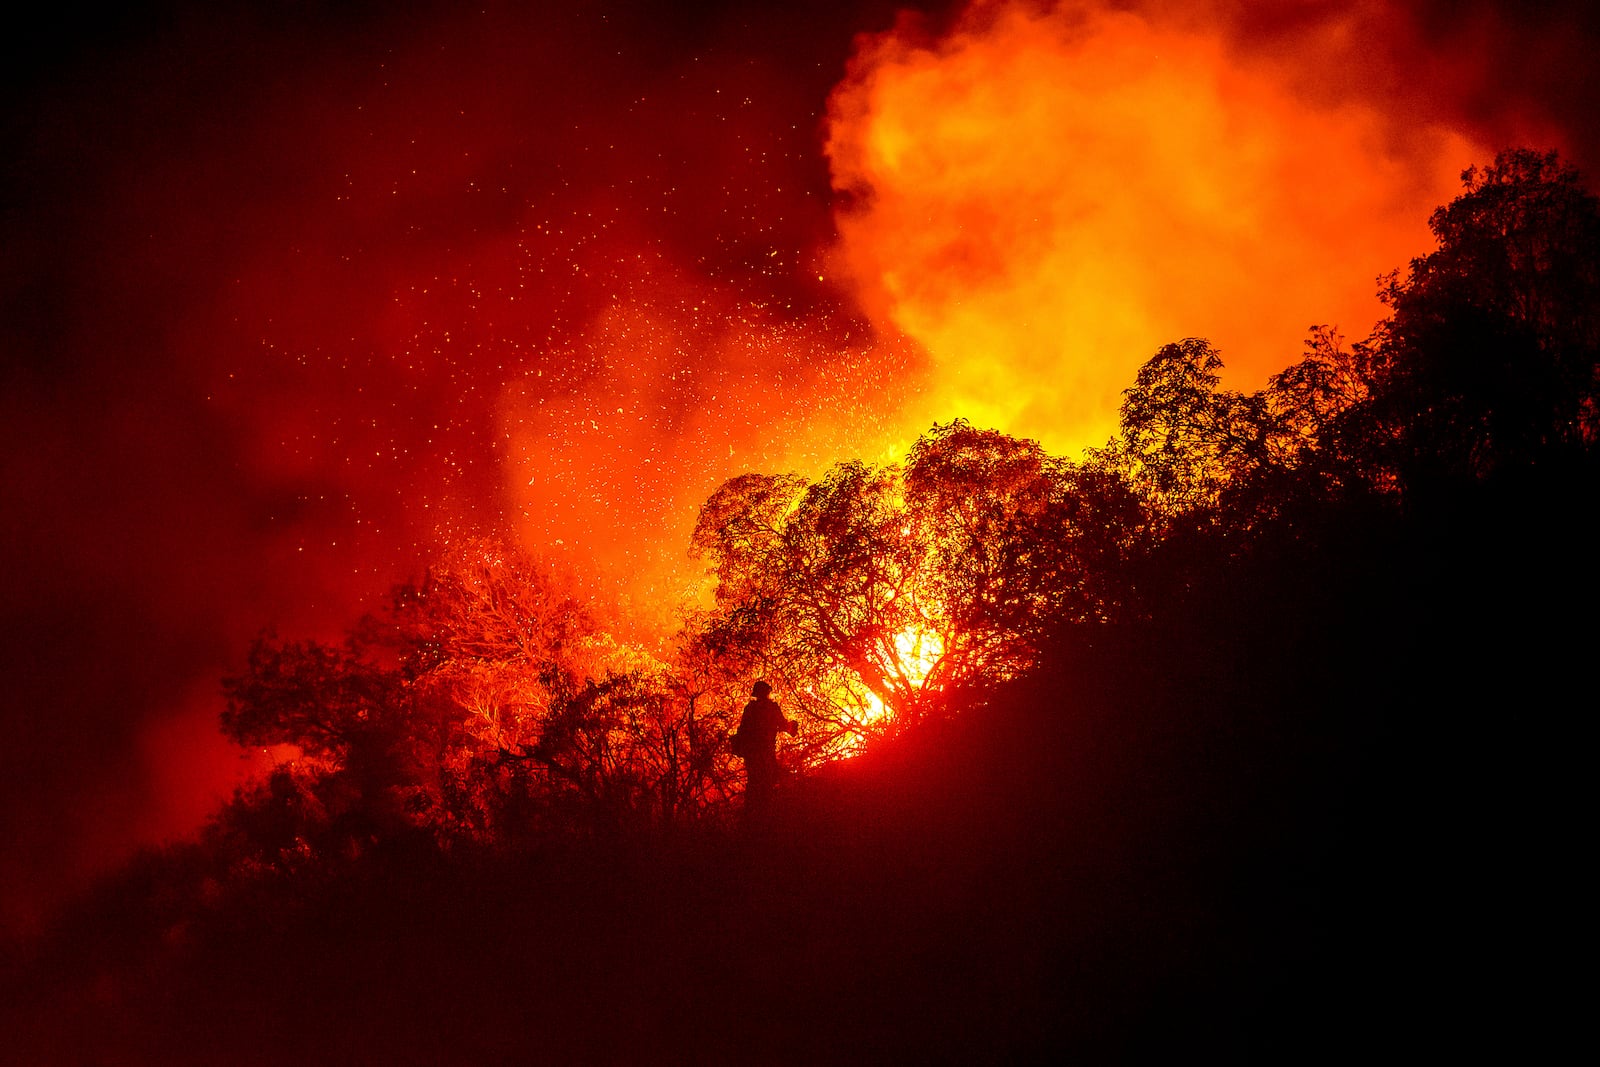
(1043, 195)
(290, 302)
(280, 307)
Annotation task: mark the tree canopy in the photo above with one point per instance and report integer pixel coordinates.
(1489, 357)
(483, 700)
(875, 593)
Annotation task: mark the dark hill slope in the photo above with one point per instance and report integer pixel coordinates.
(1320, 809)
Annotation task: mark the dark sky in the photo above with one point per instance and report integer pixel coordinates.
(271, 279)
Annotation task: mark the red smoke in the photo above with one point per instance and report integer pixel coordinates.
(288, 305)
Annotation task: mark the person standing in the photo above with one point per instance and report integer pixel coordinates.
(756, 742)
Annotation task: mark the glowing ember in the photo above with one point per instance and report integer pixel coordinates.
(916, 653)
(294, 312)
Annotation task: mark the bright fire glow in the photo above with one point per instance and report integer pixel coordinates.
(1044, 197)
(683, 386)
(916, 653)
(498, 277)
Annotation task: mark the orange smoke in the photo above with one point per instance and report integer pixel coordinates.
(1042, 198)
(676, 386)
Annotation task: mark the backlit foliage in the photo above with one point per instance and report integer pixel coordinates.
(870, 596)
(485, 704)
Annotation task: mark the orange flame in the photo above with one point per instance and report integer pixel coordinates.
(916, 653)
(1042, 198)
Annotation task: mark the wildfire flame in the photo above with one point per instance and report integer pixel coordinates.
(919, 651)
(915, 653)
(1044, 197)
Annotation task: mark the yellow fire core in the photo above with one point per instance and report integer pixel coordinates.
(916, 653)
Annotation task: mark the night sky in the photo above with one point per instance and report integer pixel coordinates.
(292, 300)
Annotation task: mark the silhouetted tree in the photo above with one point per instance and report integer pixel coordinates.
(633, 750)
(1204, 458)
(815, 586)
(1183, 437)
(1021, 541)
(1490, 356)
(335, 704)
(869, 594)
(484, 704)
(1316, 405)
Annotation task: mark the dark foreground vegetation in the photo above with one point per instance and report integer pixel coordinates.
(1281, 767)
